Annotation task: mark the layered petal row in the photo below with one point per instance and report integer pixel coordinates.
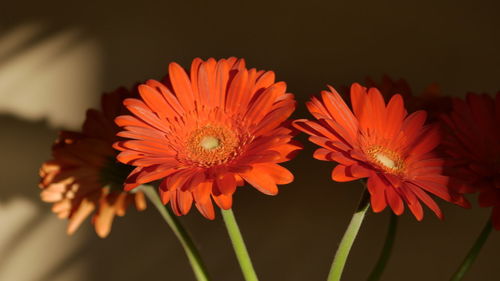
(205, 132)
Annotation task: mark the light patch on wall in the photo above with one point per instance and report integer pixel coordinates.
(55, 77)
(33, 243)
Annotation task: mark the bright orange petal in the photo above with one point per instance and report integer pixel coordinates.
(182, 86)
(394, 200)
(206, 209)
(377, 191)
(341, 174)
(260, 180)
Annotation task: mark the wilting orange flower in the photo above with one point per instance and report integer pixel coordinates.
(84, 176)
(381, 143)
(206, 133)
(472, 140)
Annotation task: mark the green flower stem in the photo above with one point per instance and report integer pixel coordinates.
(474, 252)
(386, 250)
(348, 239)
(239, 246)
(192, 253)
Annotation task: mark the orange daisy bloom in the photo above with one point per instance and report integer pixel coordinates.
(83, 175)
(381, 143)
(206, 133)
(472, 140)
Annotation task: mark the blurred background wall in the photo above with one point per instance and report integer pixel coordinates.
(57, 57)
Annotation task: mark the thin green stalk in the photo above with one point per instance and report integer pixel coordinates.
(378, 270)
(239, 246)
(473, 253)
(192, 253)
(348, 239)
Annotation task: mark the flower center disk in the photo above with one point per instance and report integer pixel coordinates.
(212, 145)
(387, 160)
(209, 142)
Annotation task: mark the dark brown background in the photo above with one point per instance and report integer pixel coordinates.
(57, 57)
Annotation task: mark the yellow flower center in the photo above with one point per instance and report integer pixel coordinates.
(209, 142)
(212, 145)
(387, 160)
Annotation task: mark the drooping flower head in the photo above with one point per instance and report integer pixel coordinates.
(205, 133)
(472, 140)
(380, 142)
(84, 177)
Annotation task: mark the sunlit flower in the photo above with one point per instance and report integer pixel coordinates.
(472, 140)
(382, 143)
(206, 133)
(84, 177)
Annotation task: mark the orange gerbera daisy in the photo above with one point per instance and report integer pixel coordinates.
(206, 133)
(83, 175)
(473, 143)
(381, 143)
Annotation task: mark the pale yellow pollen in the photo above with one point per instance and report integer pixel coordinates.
(211, 145)
(385, 160)
(209, 142)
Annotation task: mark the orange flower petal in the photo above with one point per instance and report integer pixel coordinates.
(341, 174)
(104, 220)
(263, 182)
(83, 211)
(224, 201)
(279, 174)
(185, 201)
(235, 95)
(427, 200)
(377, 191)
(206, 209)
(413, 203)
(226, 183)
(182, 86)
(340, 112)
(394, 200)
(152, 173)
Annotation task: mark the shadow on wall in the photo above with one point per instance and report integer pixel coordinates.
(30, 235)
(46, 73)
(56, 59)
